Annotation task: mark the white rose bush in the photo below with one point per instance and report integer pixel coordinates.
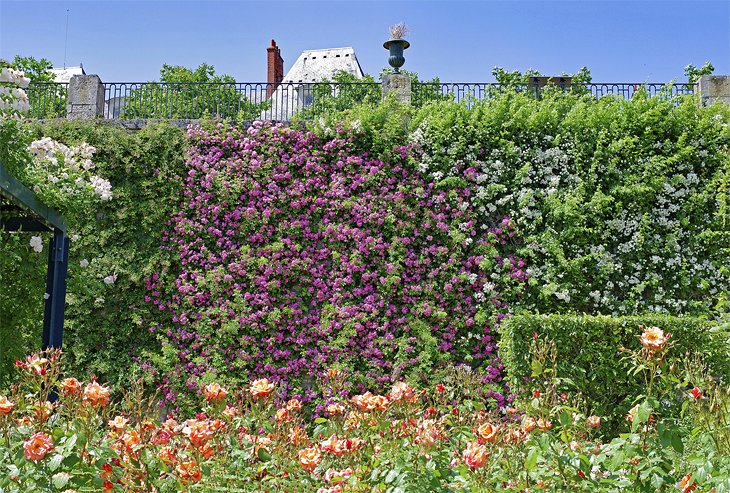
(61, 177)
(622, 204)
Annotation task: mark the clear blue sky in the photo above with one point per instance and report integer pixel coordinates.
(626, 41)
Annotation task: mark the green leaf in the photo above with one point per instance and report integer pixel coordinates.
(677, 443)
(263, 455)
(392, 474)
(55, 462)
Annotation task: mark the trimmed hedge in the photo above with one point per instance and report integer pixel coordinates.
(589, 353)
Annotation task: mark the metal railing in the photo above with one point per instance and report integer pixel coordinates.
(241, 100)
(47, 99)
(478, 91)
(287, 101)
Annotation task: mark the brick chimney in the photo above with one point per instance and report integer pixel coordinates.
(275, 68)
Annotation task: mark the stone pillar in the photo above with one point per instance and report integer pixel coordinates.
(85, 97)
(398, 84)
(713, 88)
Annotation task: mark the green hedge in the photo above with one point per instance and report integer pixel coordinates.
(589, 353)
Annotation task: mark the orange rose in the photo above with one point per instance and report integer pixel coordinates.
(214, 392)
(488, 431)
(6, 406)
(231, 412)
(199, 432)
(333, 445)
(118, 424)
(131, 440)
(261, 388)
(167, 455)
(188, 472)
(686, 486)
(282, 415)
(475, 455)
(70, 387)
(593, 421)
(294, 405)
(370, 402)
(37, 446)
(401, 391)
(43, 410)
(336, 408)
(297, 436)
(653, 338)
(528, 424)
(96, 395)
(309, 458)
(544, 424)
(338, 477)
(429, 431)
(206, 451)
(333, 373)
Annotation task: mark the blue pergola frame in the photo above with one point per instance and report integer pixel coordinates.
(40, 218)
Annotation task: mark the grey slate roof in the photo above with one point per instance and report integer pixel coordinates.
(295, 90)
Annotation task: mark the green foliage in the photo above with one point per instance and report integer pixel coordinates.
(47, 100)
(104, 322)
(345, 92)
(693, 73)
(589, 358)
(36, 70)
(622, 204)
(190, 94)
(513, 78)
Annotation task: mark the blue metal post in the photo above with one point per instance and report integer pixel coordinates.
(55, 290)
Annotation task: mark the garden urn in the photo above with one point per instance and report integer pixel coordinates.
(396, 47)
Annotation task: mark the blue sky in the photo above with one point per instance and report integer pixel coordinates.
(623, 41)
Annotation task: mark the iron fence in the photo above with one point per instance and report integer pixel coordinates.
(241, 100)
(47, 99)
(287, 101)
(477, 91)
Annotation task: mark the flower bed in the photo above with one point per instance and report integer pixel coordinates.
(440, 438)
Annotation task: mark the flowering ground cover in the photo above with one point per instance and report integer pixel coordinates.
(440, 438)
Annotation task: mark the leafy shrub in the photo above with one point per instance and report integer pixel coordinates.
(622, 204)
(589, 357)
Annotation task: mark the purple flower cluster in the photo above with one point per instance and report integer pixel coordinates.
(297, 253)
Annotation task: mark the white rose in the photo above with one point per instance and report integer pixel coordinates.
(36, 242)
